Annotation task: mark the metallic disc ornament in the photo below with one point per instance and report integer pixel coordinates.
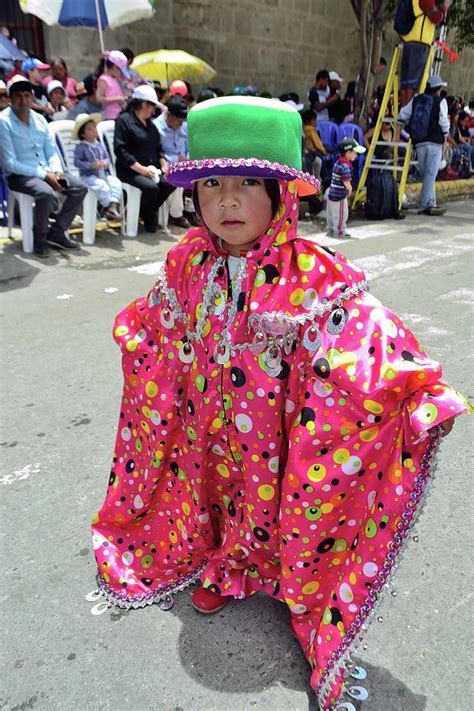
(272, 360)
(337, 320)
(312, 338)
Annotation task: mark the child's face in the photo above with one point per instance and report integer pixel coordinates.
(350, 155)
(89, 132)
(58, 97)
(34, 76)
(238, 210)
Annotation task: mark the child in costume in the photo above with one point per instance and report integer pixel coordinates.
(92, 159)
(340, 190)
(278, 424)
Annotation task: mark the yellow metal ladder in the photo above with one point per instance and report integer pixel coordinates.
(399, 171)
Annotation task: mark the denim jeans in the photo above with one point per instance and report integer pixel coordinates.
(429, 159)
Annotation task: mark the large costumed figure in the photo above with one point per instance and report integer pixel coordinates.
(278, 424)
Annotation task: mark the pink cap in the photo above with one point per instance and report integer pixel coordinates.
(120, 60)
(178, 87)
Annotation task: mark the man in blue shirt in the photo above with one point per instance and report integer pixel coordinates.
(173, 130)
(32, 165)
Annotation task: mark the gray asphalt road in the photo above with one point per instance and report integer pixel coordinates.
(61, 391)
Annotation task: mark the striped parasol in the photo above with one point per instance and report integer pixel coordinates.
(95, 14)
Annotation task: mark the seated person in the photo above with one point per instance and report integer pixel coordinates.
(173, 130)
(313, 149)
(59, 72)
(32, 69)
(32, 165)
(140, 157)
(387, 133)
(93, 161)
(58, 100)
(87, 102)
(4, 100)
(463, 153)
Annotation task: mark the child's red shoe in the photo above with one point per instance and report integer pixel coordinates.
(208, 602)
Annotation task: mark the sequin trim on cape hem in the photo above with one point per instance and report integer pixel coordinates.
(341, 658)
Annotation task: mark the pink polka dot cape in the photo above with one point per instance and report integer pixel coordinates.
(272, 436)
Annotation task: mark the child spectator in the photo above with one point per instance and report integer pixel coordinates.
(112, 69)
(313, 150)
(337, 210)
(60, 103)
(90, 156)
(31, 68)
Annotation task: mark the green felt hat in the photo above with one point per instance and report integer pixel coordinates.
(243, 135)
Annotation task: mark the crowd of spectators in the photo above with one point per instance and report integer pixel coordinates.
(151, 127)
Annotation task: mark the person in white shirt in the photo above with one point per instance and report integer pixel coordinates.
(319, 96)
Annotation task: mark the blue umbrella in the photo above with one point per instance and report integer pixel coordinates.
(98, 14)
(8, 50)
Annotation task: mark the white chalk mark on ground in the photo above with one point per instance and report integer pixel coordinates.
(20, 474)
(111, 290)
(379, 264)
(375, 265)
(460, 296)
(65, 296)
(151, 268)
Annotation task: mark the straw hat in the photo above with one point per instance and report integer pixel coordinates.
(81, 120)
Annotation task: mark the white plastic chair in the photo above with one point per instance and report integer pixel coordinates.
(25, 204)
(61, 133)
(131, 212)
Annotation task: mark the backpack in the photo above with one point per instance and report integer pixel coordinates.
(423, 117)
(404, 17)
(382, 197)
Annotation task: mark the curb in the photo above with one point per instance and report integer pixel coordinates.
(445, 190)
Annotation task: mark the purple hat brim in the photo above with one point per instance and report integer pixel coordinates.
(184, 174)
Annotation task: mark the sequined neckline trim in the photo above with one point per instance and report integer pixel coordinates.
(186, 172)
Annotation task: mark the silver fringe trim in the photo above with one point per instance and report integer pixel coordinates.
(264, 321)
(161, 285)
(163, 593)
(341, 658)
(274, 323)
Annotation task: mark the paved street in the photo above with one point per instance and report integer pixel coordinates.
(60, 389)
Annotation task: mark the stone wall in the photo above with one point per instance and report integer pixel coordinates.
(276, 45)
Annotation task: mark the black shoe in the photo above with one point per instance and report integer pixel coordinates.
(41, 250)
(179, 222)
(113, 212)
(58, 239)
(433, 211)
(151, 226)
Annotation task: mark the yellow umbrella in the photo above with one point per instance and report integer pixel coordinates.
(167, 65)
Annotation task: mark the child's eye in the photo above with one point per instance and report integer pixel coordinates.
(211, 182)
(252, 181)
